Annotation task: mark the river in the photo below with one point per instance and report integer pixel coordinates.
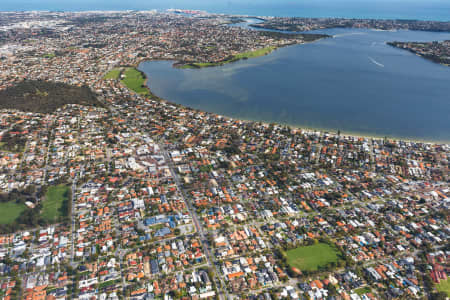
(352, 82)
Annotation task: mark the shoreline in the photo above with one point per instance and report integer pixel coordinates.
(235, 58)
(411, 50)
(245, 55)
(331, 131)
(346, 27)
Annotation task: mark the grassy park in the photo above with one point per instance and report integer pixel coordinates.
(13, 148)
(310, 258)
(9, 211)
(363, 290)
(55, 204)
(256, 53)
(135, 80)
(49, 55)
(112, 74)
(444, 286)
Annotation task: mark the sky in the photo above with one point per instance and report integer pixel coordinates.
(418, 9)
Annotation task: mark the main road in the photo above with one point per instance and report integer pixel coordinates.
(198, 227)
(210, 258)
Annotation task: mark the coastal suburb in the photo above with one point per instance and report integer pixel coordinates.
(108, 191)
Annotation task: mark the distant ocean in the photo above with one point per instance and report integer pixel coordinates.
(375, 9)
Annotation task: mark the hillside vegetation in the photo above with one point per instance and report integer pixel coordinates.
(45, 96)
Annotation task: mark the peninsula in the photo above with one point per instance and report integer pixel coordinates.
(277, 40)
(306, 24)
(439, 52)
